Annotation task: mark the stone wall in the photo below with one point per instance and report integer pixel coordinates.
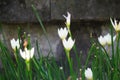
(36, 33)
(20, 11)
(81, 33)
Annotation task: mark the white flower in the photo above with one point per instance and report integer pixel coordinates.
(88, 74)
(27, 54)
(61, 68)
(15, 44)
(102, 40)
(115, 25)
(108, 39)
(68, 44)
(62, 33)
(68, 19)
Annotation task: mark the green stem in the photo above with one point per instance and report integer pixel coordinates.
(117, 50)
(107, 57)
(70, 64)
(18, 63)
(113, 58)
(109, 50)
(28, 65)
(28, 70)
(15, 54)
(74, 48)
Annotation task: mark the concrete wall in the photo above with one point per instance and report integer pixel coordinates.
(21, 11)
(81, 33)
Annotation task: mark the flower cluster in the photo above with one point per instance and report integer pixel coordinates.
(67, 43)
(63, 32)
(106, 39)
(27, 54)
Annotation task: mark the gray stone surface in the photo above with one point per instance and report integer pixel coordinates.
(20, 11)
(10, 31)
(81, 33)
(85, 9)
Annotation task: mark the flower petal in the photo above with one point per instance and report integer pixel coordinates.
(68, 44)
(32, 52)
(62, 33)
(88, 74)
(23, 55)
